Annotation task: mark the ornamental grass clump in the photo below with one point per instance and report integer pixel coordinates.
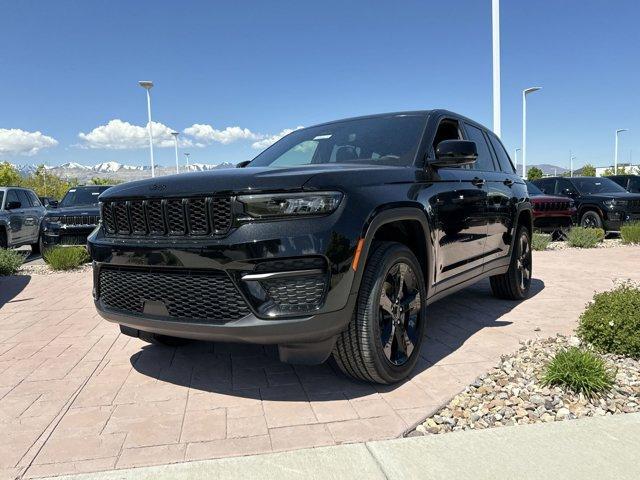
(630, 232)
(611, 322)
(540, 241)
(581, 237)
(579, 371)
(10, 261)
(65, 258)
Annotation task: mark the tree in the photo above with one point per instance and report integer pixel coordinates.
(589, 170)
(534, 173)
(46, 184)
(9, 175)
(622, 170)
(104, 181)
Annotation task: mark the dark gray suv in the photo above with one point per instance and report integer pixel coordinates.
(20, 216)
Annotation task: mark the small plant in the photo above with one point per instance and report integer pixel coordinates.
(10, 261)
(540, 241)
(580, 371)
(65, 258)
(630, 232)
(585, 237)
(611, 322)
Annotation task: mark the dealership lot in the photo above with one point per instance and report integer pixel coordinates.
(75, 395)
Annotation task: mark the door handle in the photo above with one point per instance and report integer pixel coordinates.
(508, 182)
(478, 182)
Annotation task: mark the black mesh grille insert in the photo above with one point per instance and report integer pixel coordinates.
(296, 294)
(303, 263)
(187, 296)
(173, 216)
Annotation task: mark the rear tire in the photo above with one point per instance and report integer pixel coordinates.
(516, 282)
(382, 342)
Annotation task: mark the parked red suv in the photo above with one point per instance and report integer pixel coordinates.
(551, 214)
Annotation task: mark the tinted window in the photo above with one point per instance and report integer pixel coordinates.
(12, 196)
(484, 162)
(503, 157)
(34, 199)
(634, 185)
(588, 185)
(82, 196)
(389, 140)
(533, 189)
(547, 185)
(1, 197)
(564, 187)
(24, 199)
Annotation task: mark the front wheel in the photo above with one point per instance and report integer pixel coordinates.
(382, 342)
(516, 282)
(591, 219)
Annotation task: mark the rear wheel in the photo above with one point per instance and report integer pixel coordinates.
(516, 282)
(590, 219)
(382, 342)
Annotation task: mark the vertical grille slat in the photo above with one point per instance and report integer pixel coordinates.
(175, 217)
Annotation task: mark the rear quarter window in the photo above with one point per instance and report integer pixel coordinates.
(504, 161)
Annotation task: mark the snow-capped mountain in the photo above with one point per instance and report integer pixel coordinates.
(115, 170)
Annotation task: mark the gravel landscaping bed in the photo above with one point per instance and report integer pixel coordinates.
(47, 270)
(512, 393)
(606, 243)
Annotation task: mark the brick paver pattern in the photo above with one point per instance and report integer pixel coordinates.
(76, 395)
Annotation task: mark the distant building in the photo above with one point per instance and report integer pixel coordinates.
(628, 169)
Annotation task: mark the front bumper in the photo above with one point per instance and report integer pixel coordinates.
(615, 219)
(54, 235)
(238, 258)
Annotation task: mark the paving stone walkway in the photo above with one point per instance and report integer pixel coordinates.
(77, 396)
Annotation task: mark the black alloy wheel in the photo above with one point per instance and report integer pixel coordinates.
(591, 219)
(515, 283)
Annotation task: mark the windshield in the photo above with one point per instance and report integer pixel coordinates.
(533, 190)
(391, 140)
(82, 196)
(596, 185)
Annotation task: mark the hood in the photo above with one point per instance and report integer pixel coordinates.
(75, 211)
(257, 179)
(607, 195)
(549, 198)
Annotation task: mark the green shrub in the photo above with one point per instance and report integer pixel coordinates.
(630, 232)
(540, 241)
(580, 371)
(584, 237)
(65, 258)
(611, 322)
(10, 261)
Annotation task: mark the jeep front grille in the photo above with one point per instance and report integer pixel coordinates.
(200, 297)
(555, 206)
(173, 217)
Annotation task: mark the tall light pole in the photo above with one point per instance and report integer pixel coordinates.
(175, 138)
(495, 24)
(615, 162)
(186, 155)
(525, 92)
(147, 84)
(515, 157)
(572, 157)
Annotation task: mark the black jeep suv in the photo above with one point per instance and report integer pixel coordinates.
(72, 220)
(332, 241)
(601, 202)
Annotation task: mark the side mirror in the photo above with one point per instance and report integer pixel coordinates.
(451, 153)
(53, 204)
(243, 164)
(13, 205)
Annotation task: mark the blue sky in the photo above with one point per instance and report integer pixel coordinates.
(71, 67)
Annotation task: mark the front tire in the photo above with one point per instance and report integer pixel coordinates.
(591, 219)
(382, 342)
(516, 282)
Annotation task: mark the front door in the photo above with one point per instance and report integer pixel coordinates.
(16, 232)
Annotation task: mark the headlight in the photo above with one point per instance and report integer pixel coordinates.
(290, 204)
(615, 203)
(52, 219)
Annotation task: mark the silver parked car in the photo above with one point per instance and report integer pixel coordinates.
(21, 214)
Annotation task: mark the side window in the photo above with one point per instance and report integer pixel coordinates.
(24, 199)
(485, 161)
(12, 196)
(546, 185)
(447, 130)
(35, 201)
(564, 187)
(1, 198)
(503, 157)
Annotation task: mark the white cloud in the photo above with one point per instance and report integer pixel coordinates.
(119, 135)
(14, 141)
(207, 134)
(269, 140)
